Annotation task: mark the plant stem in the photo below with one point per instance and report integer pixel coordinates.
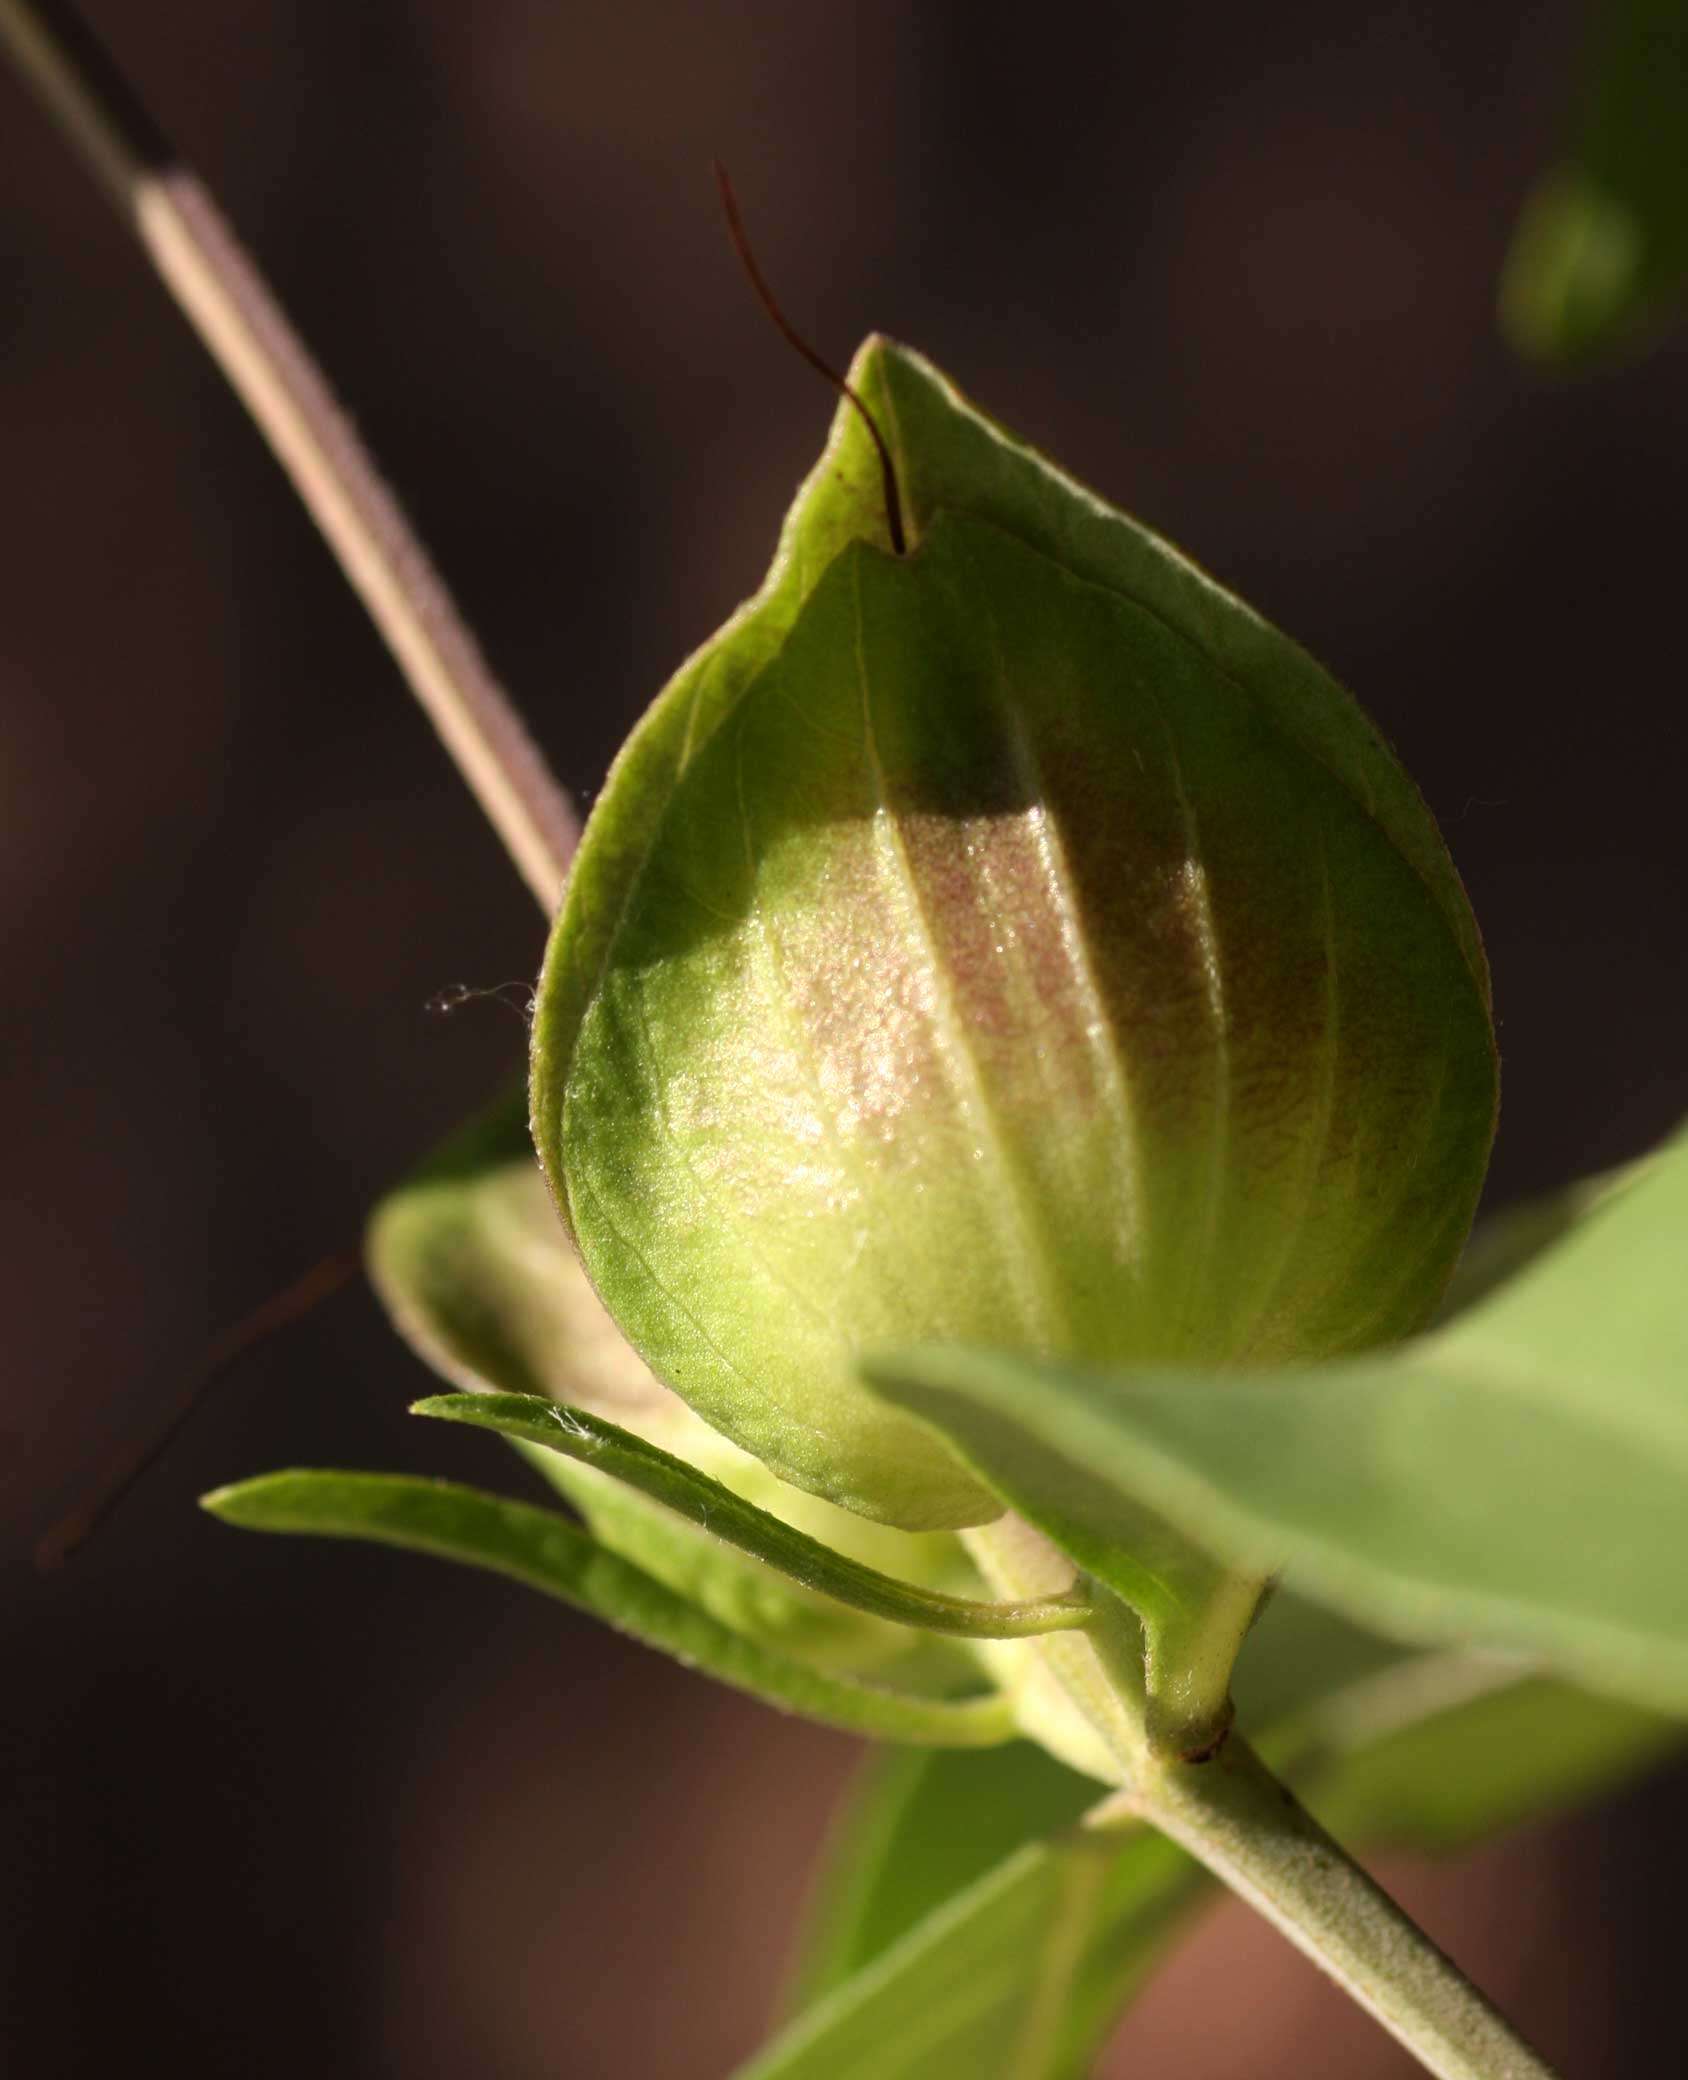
(237, 316)
(1235, 1817)
(1082, 1695)
(1073, 1694)
(1189, 1653)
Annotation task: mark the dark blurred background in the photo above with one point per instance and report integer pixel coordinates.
(273, 1807)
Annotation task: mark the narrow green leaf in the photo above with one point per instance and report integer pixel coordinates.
(1601, 251)
(578, 1434)
(544, 1551)
(1518, 1479)
(479, 1277)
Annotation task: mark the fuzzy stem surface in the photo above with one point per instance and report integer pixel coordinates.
(1233, 1815)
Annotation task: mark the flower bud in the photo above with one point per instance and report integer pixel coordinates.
(1014, 942)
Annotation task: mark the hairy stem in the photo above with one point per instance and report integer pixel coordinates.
(1082, 1694)
(1235, 1817)
(237, 316)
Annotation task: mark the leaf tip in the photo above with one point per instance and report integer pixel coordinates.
(233, 1502)
(447, 1406)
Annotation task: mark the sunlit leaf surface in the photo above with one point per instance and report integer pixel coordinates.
(1518, 1479)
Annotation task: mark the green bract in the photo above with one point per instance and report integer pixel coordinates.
(1012, 943)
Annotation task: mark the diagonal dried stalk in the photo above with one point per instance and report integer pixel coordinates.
(229, 304)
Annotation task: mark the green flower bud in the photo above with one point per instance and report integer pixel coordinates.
(1014, 942)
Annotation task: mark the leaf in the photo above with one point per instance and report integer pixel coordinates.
(1520, 1478)
(577, 1434)
(920, 1825)
(1500, 1752)
(478, 1275)
(1000, 1982)
(1297, 1654)
(1422, 1750)
(1600, 255)
(544, 1551)
(1508, 1242)
(924, 1823)
(1195, 1610)
(1034, 949)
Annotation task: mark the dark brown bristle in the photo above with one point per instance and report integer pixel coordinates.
(795, 340)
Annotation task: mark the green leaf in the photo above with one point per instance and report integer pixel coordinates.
(912, 1869)
(1397, 1747)
(544, 1551)
(1600, 255)
(577, 1434)
(1508, 1242)
(1444, 1751)
(1298, 1654)
(920, 1825)
(478, 1275)
(1007, 1979)
(1517, 1479)
(1429, 1751)
(1032, 949)
(1195, 1610)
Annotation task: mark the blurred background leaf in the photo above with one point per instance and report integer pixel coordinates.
(1599, 260)
(912, 1835)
